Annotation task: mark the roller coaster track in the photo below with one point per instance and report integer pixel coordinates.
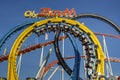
(15, 29)
(12, 75)
(33, 47)
(37, 46)
(79, 16)
(50, 65)
(95, 16)
(5, 57)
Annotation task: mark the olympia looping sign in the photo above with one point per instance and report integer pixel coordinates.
(48, 12)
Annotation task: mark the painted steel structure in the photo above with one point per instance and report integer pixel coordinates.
(12, 75)
(39, 27)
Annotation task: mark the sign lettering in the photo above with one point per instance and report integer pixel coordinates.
(48, 12)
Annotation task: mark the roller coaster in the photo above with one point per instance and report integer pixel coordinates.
(84, 58)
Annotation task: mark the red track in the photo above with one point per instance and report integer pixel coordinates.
(109, 35)
(36, 46)
(46, 68)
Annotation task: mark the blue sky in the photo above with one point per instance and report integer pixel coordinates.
(12, 13)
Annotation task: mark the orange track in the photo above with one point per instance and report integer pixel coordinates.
(46, 68)
(36, 46)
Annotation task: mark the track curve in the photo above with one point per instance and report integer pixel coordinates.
(15, 29)
(95, 16)
(2, 41)
(12, 75)
(37, 46)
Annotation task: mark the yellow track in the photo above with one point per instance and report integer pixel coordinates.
(12, 73)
